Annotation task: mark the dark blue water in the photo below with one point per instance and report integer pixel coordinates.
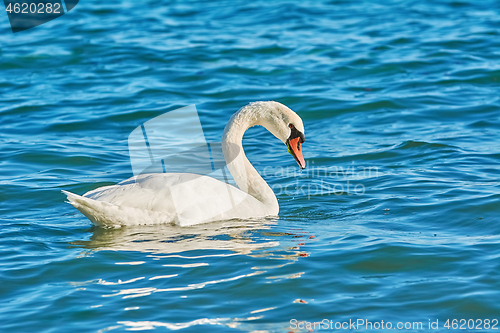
(394, 219)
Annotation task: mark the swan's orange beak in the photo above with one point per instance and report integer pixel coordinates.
(295, 148)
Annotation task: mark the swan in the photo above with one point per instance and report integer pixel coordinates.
(188, 199)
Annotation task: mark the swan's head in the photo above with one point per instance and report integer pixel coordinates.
(284, 124)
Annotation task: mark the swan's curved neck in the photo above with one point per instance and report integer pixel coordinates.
(243, 172)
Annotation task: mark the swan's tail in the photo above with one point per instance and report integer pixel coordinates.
(108, 215)
(94, 210)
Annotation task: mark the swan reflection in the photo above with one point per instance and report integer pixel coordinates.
(233, 235)
(182, 266)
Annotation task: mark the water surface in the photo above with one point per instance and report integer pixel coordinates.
(395, 218)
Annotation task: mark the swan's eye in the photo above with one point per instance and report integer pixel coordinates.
(290, 125)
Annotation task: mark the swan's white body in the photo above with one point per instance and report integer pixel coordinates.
(188, 199)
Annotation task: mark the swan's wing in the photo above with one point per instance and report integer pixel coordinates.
(182, 198)
(200, 199)
(107, 214)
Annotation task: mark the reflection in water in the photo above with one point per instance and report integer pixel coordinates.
(164, 239)
(189, 264)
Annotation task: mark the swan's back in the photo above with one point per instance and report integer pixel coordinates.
(180, 198)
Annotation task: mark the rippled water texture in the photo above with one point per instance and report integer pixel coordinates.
(395, 218)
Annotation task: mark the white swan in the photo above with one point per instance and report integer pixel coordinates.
(188, 199)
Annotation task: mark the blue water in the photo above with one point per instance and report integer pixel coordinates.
(394, 219)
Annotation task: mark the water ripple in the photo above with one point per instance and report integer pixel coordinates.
(395, 217)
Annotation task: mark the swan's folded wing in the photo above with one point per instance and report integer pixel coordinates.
(107, 214)
(182, 198)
